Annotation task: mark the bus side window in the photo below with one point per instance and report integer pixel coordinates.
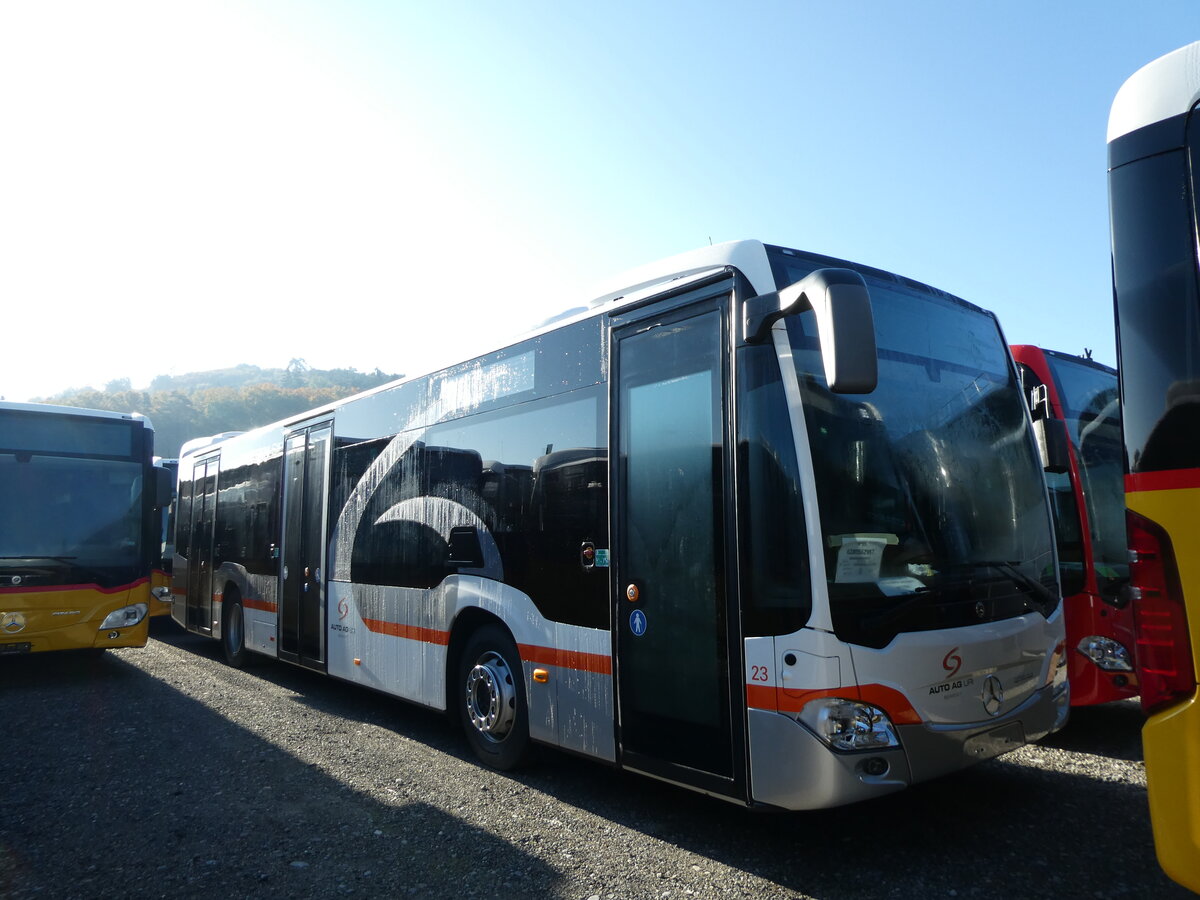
(183, 519)
(776, 593)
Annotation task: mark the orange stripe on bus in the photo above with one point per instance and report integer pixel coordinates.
(890, 700)
(546, 656)
(1168, 480)
(411, 632)
(264, 605)
(597, 663)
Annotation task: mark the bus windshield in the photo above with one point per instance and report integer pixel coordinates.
(78, 520)
(931, 501)
(1090, 407)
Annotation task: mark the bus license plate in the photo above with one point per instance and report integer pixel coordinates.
(15, 648)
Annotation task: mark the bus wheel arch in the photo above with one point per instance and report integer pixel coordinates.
(233, 628)
(486, 691)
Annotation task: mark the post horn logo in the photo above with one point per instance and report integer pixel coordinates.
(11, 623)
(952, 662)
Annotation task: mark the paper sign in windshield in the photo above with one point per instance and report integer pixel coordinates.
(859, 556)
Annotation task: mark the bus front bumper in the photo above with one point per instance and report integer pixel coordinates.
(83, 635)
(1171, 742)
(791, 768)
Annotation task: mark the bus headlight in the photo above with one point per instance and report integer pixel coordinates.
(1108, 654)
(125, 616)
(849, 724)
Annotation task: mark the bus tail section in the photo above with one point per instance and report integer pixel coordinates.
(1154, 206)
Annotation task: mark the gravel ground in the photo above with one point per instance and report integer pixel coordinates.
(163, 773)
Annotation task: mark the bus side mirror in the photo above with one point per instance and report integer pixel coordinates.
(164, 488)
(845, 325)
(1052, 440)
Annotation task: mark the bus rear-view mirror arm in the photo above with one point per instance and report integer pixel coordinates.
(164, 487)
(845, 326)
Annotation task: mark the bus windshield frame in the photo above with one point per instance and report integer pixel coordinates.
(1090, 406)
(77, 500)
(930, 495)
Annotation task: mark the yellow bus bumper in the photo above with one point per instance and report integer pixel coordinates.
(1171, 744)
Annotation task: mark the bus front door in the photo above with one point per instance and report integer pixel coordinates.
(302, 574)
(675, 662)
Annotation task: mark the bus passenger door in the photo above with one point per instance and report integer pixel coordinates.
(302, 575)
(200, 566)
(677, 667)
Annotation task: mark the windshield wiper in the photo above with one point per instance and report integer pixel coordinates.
(38, 561)
(39, 556)
(919, 597)
(1046, 598)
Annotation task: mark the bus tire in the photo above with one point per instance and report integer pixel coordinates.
(233, 631)
(491, 698)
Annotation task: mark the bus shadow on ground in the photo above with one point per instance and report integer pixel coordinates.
(115, 784)
(1112, 730)
(1007, 827)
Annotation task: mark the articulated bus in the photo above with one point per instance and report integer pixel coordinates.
(1087, 496)
(759, 523)
(78, 531)
(160, 572)
(1154, 183)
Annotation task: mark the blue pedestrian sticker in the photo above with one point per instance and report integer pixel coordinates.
(637, 622)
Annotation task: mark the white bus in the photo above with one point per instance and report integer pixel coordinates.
(761, 523)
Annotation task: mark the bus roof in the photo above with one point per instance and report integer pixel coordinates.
(210, 440)
(748, 256)
(51, 409)
(1166, 87)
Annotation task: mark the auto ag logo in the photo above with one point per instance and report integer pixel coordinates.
(343, 608)
(952, 662)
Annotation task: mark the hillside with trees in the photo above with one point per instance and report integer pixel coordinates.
(183, 407)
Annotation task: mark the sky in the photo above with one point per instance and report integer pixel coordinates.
(402, 185)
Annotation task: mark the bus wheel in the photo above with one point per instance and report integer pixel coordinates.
(492, 698)
(233, 631)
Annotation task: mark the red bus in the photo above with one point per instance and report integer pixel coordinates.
(1087, 496)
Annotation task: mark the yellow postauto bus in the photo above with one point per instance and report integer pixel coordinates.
(79, 527)
(1154, 177)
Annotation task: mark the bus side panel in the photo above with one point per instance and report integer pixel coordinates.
(261, 611)
(392, 639)
(260, 606)
(580, 672)
(1171, 738)
(396, 639)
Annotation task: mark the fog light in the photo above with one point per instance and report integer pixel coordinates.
(875, 766)
(113, 635)
(1109, 655)
(849, 724)
(125, 616)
